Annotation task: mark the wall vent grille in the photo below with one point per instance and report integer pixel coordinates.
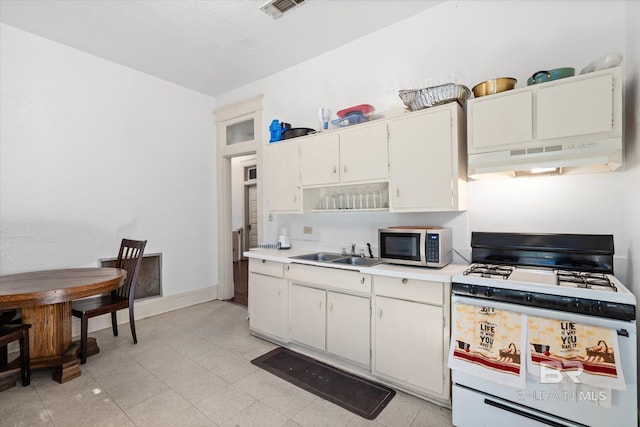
(277, 8)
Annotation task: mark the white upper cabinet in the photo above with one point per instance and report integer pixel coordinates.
(427, 160)
(282, 175)
(364, 154)
(320, 159)
(580, 107)
(416, 161)
(576, 109)
(505, 120)
(355, 155)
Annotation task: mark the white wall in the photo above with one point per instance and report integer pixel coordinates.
(91, 152)
(482, 40)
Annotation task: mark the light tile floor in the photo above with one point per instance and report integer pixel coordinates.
(191, 367)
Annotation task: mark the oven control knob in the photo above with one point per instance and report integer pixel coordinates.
(474, 290)
(576, 303)
(597, 307)
(488, 292)
(528, 298)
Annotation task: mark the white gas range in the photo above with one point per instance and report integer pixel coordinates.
(521, 290)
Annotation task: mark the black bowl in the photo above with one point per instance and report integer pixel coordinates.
(296, 132)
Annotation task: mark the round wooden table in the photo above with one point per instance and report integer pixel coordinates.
(45, 299)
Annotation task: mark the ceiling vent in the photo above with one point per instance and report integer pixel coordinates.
(277, 8)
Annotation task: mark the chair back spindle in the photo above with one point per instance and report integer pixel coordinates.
(130, 259)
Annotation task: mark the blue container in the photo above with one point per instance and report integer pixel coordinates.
(276, 131)
(349, 119)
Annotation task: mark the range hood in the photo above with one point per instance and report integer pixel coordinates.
(570, 125)
(573, 157)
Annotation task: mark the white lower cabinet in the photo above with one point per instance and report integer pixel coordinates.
(392, 329)
(349, 327)
(307, 321)
(408, 343)
(267, 297)
(330, 311)
(330, 321)
(411, 334)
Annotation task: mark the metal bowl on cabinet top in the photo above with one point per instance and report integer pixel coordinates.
(493, 86)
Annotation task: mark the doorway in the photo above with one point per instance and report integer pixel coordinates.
(238, 133)
(250, 209)
(244, 214)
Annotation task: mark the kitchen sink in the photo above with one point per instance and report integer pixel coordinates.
(319, 256)
(334, 258)
(353, 260)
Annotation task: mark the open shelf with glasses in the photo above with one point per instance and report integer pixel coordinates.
(347, 198)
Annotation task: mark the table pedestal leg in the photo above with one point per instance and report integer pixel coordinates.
(50, 342)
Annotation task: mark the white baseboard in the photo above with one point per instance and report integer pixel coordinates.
(149, 307)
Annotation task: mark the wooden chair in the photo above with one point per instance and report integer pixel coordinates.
(9, 333)
(130, 259)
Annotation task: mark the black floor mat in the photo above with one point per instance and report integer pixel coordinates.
(358, 395)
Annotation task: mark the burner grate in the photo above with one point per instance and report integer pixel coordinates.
(584, 280)
(489, 270)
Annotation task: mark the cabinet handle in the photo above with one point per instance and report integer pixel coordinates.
(335, 169)
(286, 268)
(264, 260)
(397, 192)
(362, 280)
(295, 198)
(404, 281)
(320, 303)
(345, 168)
(279, 291)
(380, 313)
(330, 306)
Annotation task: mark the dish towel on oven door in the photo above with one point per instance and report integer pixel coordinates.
(488, 343)
(584, 356)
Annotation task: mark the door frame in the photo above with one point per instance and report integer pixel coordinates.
(224, 117)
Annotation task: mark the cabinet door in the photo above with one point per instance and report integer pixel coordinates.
(364, 154)
(409, 343)
(577, 108)
(266, 305)
(282, 173)
(421, 162)
(319, 159)
(499, 120)
(348, 326)
(307, 316)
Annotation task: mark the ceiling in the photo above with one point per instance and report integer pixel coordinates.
(210, 46)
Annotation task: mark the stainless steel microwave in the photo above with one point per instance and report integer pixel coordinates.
(420, 246)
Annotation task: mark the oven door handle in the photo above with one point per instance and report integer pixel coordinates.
(522, 413)
(623, 333)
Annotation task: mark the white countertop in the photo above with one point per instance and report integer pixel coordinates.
(392, 270)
